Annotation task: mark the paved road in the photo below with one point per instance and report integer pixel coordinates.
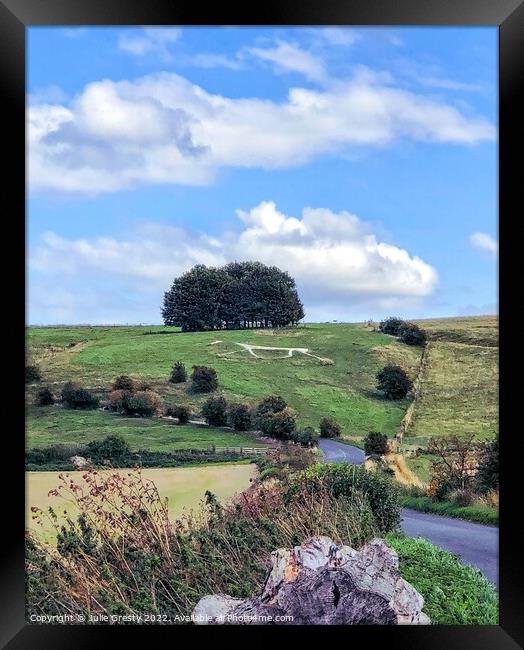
(475, 544)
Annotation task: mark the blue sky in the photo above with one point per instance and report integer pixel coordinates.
(361, 160)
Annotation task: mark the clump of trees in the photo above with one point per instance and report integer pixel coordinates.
(239, 295)
(394, 382)
(408, 333)
(376, 443)
(178, 373)
(204, 379)
(75, 396)
(329, 428)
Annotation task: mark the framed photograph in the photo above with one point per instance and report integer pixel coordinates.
(259, 254)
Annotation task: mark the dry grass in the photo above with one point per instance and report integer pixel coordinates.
(459, 392)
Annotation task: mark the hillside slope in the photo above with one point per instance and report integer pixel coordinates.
(337, 380)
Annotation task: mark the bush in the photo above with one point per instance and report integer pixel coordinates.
(411, 334)
(329, 428)
(271, 473)
(181, 412)
(462, 498)
(133, 558)
(117, 399)
(204, 379)
(32, 374)
(142, 403)
(178, 373)
(239, 417)
(123, 382)
(376, 443)
(394, 382)
(391, 325)
(271, 404)
(355, 482)
(308, 437)
(112, 447)
(76, 397)
(487, 478)
(214, 411)
(278, 425)
(45, 397)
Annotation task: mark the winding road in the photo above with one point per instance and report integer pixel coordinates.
(475, 544)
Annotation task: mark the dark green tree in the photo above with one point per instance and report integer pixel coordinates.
(394, 382)
(329, 428)
(375, 443)
(178, 373)
(214, 411)
(487, 478)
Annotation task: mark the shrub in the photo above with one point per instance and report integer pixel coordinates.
(271, 404)
(352, 481)
(278, 425)
(117, 399)
(487, 478)
(376, 443)
(462, 498)
(214, 411)
(123, 554)
(76, 397)
(142, 403)
(391, 325)
(123, 382)
(32, 374)
(112, 447)
(143, 385)
(271, 473)
(181, 412)
(204, 379)
(307, 437)
(178, 373)
(394, 382)
(239, 417)
(411, 334)
(329, 428)
(45, 397)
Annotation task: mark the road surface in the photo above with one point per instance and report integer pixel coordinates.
(475, 544)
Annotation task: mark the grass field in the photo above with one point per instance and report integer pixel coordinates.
(184, 488)
(344, 389)
(49, 425)
(459, 389)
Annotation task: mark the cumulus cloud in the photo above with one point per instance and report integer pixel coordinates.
(150, 40)
(335, 258)
(484, 242)
(162, 129)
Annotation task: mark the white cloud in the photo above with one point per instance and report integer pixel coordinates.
(337, 261)
(163, 129)
(213, 60)
(287, 57)
(151, 40)
(484, 242)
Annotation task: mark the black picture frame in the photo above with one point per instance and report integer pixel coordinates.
(508, 15)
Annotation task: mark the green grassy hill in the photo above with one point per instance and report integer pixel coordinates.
(341, 383)
(336, 377)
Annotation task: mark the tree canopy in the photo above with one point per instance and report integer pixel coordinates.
(236, 296)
